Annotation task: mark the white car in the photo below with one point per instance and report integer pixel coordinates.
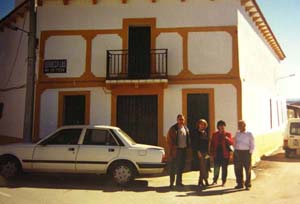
(291, 142)
(84, 149)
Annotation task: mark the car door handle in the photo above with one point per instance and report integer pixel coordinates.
(111, 150)
(71, 149)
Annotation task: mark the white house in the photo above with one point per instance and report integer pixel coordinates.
(136, 64)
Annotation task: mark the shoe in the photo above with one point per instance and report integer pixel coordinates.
(171, 186)
(206, 182)
(179, 185)
(223, 183)
(200, 183)
(239, 187)
(248, 186)
(214, 183)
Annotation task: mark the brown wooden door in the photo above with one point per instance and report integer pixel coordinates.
(137, 116)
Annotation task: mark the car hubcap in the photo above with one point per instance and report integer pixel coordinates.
(9, 169)
(122, 174)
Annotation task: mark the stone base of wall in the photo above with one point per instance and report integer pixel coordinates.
(9, 140)
(266, 144)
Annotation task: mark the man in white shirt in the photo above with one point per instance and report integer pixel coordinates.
(243, 149)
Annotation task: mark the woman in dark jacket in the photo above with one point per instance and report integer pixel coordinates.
(200, 145)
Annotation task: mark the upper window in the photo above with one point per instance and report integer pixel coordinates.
(64, 137)
(295, 129)
(99, 137)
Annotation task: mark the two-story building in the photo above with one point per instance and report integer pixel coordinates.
(136, 64)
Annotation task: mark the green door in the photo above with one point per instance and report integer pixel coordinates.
(197, 108)
(139, 52)
(74, 110)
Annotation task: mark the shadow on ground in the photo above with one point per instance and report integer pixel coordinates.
(103, 183)
(280, 157)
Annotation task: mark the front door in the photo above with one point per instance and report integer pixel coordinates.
(139, 52)
(197, 108)
(137, 116)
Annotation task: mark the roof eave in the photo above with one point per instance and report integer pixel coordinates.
(254, 12)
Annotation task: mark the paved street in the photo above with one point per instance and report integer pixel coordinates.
(277, 181)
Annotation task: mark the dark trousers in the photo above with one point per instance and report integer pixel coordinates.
(242, 159)
(220, 162)
(203, 168)
(177, 166)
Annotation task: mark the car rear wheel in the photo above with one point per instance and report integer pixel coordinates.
(123, 173)
(10, 168)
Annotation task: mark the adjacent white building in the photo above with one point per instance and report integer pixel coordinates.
(138, 63)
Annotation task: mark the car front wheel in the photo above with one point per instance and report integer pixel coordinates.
(10, 168)
(123, 173)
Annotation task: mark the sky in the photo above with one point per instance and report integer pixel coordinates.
(283, 17)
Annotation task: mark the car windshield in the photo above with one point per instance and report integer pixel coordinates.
(126, 137)
(295, 129)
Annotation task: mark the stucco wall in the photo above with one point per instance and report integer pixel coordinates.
(13, 66)
(210, 52)
(258, 68)
(80, 14)
(172, 41)
(225, 104)
(71, 48)
(100, 44)
(100, 106)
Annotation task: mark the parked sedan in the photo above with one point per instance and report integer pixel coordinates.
(84, 149)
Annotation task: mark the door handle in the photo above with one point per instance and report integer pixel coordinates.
(111, 150)
(71, 149)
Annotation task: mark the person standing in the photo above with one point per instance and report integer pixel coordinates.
(243, 149)
(221, 140)
(200, 143)
(178, 139)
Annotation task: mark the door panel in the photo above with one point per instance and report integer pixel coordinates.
(58, 152)
(197, 108)
(139, 52)
(98, 149)
(137, 116)
(55, 158)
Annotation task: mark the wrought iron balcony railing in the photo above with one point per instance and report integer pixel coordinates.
(121, 64)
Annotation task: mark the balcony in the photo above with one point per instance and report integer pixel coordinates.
(123, 64)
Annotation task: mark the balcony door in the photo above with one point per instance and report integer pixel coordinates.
(139, 45)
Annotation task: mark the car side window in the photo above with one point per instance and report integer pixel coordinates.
(64, 137)
(99, 137)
